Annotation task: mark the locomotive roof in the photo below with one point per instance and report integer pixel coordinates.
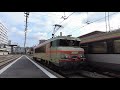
(58, 37)
(101, 36)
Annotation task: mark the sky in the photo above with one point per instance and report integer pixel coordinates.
(41, 24)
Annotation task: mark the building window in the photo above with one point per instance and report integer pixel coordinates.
(99, 47)
(116, 46)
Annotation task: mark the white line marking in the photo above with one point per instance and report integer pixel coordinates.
(6, 67)
(44, 70)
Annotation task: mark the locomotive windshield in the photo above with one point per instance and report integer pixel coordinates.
(63, 42)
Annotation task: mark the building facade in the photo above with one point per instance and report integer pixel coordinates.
(3, 35)
(3, 40)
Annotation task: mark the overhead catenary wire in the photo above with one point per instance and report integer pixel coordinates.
(48, 15)
(54, 31)
(56, 15)
(66, 18)
(93, 22)
(90, 22)
(62, 22)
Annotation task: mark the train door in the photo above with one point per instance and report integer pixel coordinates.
(53, 51)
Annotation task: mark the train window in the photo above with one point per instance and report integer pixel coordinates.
(99, 47)
(117, 46)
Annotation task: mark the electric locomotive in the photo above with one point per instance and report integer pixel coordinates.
(62, 51)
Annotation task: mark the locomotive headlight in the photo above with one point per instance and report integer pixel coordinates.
(64, 56)
(82, 56)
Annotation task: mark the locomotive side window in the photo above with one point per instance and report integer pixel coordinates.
(116, 46)
(41, 49)
(37, 50)
(99, 47)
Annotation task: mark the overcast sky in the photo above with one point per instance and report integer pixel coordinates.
(40, 24)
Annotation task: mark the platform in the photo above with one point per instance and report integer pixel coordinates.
(24, 67)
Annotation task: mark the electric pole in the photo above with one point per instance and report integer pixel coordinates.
(26, 15)
(109, 22)
(105, 21)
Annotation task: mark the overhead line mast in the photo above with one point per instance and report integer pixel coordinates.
(26, 15)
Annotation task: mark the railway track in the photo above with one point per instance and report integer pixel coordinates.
(79, 73)
(113, 74)
(83, 74)
(6, 59)
(102, 71)
(87, 72)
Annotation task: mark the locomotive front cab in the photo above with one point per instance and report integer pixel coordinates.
(70, 52)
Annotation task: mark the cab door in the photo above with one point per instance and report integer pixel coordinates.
(48, 51)
(53, 51)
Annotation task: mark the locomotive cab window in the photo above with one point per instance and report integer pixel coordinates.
(64, 42)
(54, 43)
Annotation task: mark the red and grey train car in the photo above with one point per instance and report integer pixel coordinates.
(102, 49)
(62, 51)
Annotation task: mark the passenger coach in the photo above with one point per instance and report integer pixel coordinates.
(102, 49)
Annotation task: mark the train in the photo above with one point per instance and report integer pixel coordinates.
(61, 51)
(102, 49)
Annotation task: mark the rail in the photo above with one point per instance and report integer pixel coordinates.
(6, 59)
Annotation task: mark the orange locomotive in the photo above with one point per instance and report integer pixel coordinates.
(62, 51)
